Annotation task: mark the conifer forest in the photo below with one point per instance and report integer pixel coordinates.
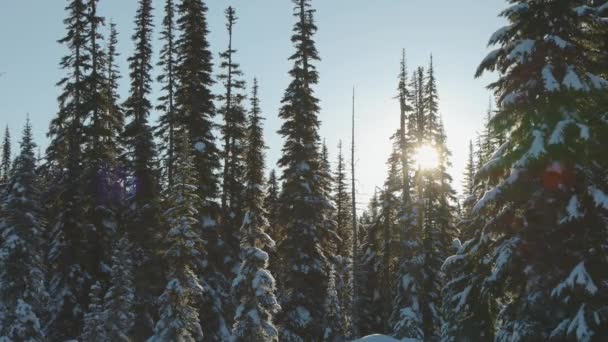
(160, 218)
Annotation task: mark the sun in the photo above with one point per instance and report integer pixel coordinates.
(426, 157)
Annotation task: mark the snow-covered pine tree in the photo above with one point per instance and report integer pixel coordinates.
(343, 258)
(142, 221)
(542, 251)
(69, 281)
(406, 316)
(196, 111)
(334, 329)
(22, 269)
(437, 204)
(179, 317)
(166, 130)
(119, 301)
(254, 286)
(234, 134)
(304, 203)
(369, 305)
(94, 321)
(5, 161)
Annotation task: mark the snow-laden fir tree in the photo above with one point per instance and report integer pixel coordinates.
(343, 258)
(69, 282)
(275, 228)
(167, 128)
(406, 315)
(22, 269)
(254, 286)
(196, 112)
(5, 161)
(304, 202)
(142, 220)
(334, 329)
(369, 303)
(234, 135)
(178, 304)
(540, 243)
(112, 78)
(94, 328)
(437, 198)
(119, 301)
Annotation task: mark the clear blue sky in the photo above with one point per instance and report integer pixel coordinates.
(359, 41)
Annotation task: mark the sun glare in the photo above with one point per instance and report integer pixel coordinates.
(426, 157)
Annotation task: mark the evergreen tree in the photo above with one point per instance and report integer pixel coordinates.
(119, 300)
(254, 286)
(112, 77)
(271, 203)
(101, 188)
(343, 259)
(69, 282)
(369, 302)
(179, 318)
(234, 133)
(143, 216)
(193, 96)
(168, 124)
(304, 202)
(5, 166)
(22, 270)
(541, 230)
(94, 320)
(406, 315)
(194, 102)
(334, 331)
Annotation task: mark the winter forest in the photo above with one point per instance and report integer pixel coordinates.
(128, 228)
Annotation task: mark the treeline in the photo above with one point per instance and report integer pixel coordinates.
(128, 230)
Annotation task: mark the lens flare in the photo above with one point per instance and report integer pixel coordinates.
(426, 157)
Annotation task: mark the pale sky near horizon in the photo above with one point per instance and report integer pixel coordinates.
(359, 42)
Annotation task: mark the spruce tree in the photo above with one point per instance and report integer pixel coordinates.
(304, 202)
(271, 203)
(5, 166)
(334, 331)
(196, 112)
(179, 318)
(143, 217)
(101, 188)
(369, 302)
(540, 239)
(94, 321)
(69, 282)
(406, 315)
(119, 300)
(22, 269)
(168, 124)
(194, 99)
(254, 286)
(234, 133)
(343, 259)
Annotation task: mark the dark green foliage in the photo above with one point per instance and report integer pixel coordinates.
(254, 287)
(304, 203)
(168, 123)
(23, 294)
(540, 227)
(234, 135)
